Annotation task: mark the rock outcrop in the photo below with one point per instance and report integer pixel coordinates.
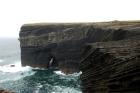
(60, 44)
(111, 67)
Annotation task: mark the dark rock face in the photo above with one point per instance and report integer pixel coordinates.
(112, 67)
(64, 42)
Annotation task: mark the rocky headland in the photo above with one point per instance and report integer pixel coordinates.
(107, 53)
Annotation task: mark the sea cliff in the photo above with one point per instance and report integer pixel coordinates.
(112, 67)
(63, 43)
(107, 53)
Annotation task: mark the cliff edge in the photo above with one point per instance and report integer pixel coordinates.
(60, 45)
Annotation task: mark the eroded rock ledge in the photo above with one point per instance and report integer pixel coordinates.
(62, 43)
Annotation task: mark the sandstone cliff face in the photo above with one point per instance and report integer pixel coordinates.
(64, 42)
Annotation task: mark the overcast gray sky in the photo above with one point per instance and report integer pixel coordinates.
(14, 13)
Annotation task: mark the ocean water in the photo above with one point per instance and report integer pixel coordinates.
(31, 80)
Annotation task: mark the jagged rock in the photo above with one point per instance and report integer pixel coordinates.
(111, 67)
(64, 42)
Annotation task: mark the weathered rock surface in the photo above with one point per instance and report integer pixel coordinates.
(111, 67)
(63, 42)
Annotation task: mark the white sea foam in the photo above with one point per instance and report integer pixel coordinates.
(38, 88)
(59, 73)
(74, 74)
(14, 72)
(37, 68)
(13, 68)
(14, 77)
(68, 77)
(63, 89)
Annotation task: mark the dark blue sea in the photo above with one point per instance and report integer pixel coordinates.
(27, 80)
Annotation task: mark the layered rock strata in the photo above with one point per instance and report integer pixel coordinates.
(111, 67)
(60, 44)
